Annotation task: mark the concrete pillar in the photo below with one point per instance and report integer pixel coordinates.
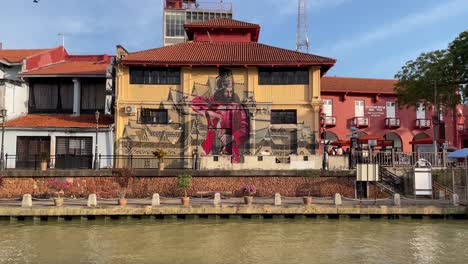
(76, 96)
(92, 200)
(455, 199)
(277, 199)
(217, 199)
(396, 199)
(337, 199)
(27, 201)
(52, 150)
(155, 201)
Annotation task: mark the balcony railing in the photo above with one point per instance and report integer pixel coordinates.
(423, 123)
(361, 121)
(392, 122)
(329, 121)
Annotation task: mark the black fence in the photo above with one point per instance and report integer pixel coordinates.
(36, 162)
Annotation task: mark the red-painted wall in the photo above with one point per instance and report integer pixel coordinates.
(45, 58)
(223, 36)
(375, 110)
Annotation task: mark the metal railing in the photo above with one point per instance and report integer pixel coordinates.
(400, 159)
(51, 162)
(144, 162)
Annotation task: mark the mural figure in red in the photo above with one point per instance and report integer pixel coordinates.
(227, 121)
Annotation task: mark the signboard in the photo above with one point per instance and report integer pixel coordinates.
(367, 172)
(375, 111)
(423, 177)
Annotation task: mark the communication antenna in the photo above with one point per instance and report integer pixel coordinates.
(302, 35)
(63, 38)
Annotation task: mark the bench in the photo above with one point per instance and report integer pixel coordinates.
(224, 194)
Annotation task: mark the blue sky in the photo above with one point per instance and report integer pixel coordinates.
(369, 38)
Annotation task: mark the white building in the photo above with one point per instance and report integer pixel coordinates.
(61, 125)
(13, 90)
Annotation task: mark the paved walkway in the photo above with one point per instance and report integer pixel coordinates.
(234, 201)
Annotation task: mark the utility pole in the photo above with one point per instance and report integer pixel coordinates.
(302, 34)
(435, 121)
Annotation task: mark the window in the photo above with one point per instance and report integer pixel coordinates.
(390, 109)
(359, 108)
(283, 117)
(155, 76)
(153, 116)
(328, 107)
(420, 111)
(283, 76)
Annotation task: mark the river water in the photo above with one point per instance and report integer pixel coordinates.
(236, 241)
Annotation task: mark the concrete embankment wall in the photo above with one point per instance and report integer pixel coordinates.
(147, 182)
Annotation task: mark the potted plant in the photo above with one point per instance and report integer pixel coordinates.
(60, 187)
(308, 176)
(44, 157)
(160, 154)
(249, 190)
(122, 177)
(184, 181)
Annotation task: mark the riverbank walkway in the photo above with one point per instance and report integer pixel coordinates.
(264, 207)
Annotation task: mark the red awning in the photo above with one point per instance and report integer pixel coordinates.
(425, 141)
(364, 139)
(340, 143)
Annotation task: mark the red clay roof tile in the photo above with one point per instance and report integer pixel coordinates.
(74, 65)
(222, 22)
(60, 120)
(225, 53)
(17, 55)
(358, 85)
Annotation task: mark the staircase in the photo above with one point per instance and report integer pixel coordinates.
(390, 181)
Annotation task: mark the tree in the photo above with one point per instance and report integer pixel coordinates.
(447, 69)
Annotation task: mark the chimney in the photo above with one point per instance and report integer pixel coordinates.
(1, 45)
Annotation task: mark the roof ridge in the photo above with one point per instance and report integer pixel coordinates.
(359, 78)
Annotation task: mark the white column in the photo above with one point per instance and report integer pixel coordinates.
(76, 96)
(52, 150)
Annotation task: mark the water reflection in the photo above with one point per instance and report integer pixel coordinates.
(261, 241)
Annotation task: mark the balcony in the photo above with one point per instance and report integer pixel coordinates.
(392, 122)
(329, 121)
(423, 123)
(361, 121)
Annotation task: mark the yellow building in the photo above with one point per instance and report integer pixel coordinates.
(221, 93)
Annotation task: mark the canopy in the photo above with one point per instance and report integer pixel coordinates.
(340, 143)
(461, 153)
(425, 141)
(365, 139)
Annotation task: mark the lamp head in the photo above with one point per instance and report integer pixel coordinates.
(97, 115)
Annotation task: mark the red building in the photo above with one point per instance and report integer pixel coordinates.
(370, 106)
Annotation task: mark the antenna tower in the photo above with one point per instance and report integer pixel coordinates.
(302, 35)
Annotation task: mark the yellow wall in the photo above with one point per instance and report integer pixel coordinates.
(304, 98)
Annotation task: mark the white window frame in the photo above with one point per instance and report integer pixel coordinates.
(359, 108)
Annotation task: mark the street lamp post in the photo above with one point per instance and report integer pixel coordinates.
(96, 162)
(325, 153)
(3, 114)
(197, 153)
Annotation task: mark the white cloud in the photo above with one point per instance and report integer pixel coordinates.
(405, 24)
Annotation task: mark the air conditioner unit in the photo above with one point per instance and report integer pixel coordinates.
(130, 110)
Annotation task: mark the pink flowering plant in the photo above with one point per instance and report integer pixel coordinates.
(59, 186)
(249, 189)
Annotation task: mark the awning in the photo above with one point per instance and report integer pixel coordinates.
(426, 141)
(340, 143)
(364, 139)
(461, 153)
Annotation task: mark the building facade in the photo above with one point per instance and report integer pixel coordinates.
(13, 90)
(220, 95)
(61, 123)
(370, 105)
(176, 13)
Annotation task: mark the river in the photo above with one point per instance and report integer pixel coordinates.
(236, 241)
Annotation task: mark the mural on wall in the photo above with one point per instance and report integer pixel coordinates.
(228, 125)
(221, 116)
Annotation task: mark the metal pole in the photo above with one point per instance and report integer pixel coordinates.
(197, 167)
(2, 161)
(96, 162)
(436, 123)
